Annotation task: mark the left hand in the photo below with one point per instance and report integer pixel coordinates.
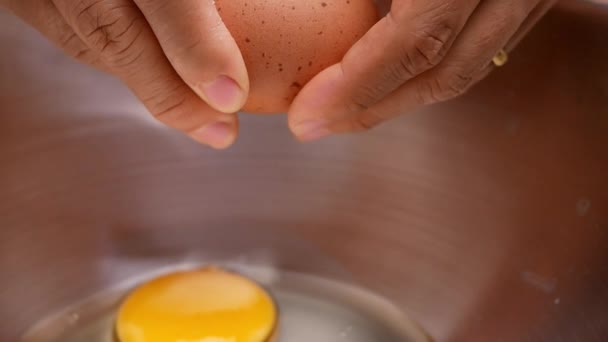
(421, 52)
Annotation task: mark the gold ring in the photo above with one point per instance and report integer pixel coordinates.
(501, 58)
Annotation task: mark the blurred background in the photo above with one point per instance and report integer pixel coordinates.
(484, 218)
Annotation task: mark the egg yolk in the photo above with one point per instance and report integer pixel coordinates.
(207, 305)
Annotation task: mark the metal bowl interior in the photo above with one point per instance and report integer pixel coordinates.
(484, 219)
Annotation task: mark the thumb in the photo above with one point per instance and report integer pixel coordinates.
(201, 50)
(413, 38)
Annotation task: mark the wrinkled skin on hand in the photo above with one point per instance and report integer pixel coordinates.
(177, 56)
(182, 63)
(421, 52)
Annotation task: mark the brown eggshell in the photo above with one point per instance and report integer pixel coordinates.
(287, 42)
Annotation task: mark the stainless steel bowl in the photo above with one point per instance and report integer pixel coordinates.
(484, 219)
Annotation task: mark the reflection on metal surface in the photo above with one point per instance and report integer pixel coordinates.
(485, 218)
(312, 309)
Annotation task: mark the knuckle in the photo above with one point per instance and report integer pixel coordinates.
(172, 108)
(427, 48)
(77, 49)
(440, 89)
(83, 55)
(112, 29)
(458, 84)
(431, 43)
(408, 67)
(365, 95)
(363, 98)
(368, 120)
(425, 45)
(169, 111)
(72, 45)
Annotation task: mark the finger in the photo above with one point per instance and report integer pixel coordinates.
(533, 18)
(119, 33)
(200, 49)
(44, 17)
(492, 27)
(408, 41)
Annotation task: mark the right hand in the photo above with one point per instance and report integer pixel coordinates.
(176, 56)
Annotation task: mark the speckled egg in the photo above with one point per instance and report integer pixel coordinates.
(287, 42)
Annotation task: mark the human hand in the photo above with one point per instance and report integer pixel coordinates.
(176, 56)
(421, 52)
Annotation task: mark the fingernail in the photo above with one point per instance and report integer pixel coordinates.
(312, 130)
(218, 135)
(223, 94)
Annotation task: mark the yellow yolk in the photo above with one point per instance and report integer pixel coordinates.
(208, 305)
